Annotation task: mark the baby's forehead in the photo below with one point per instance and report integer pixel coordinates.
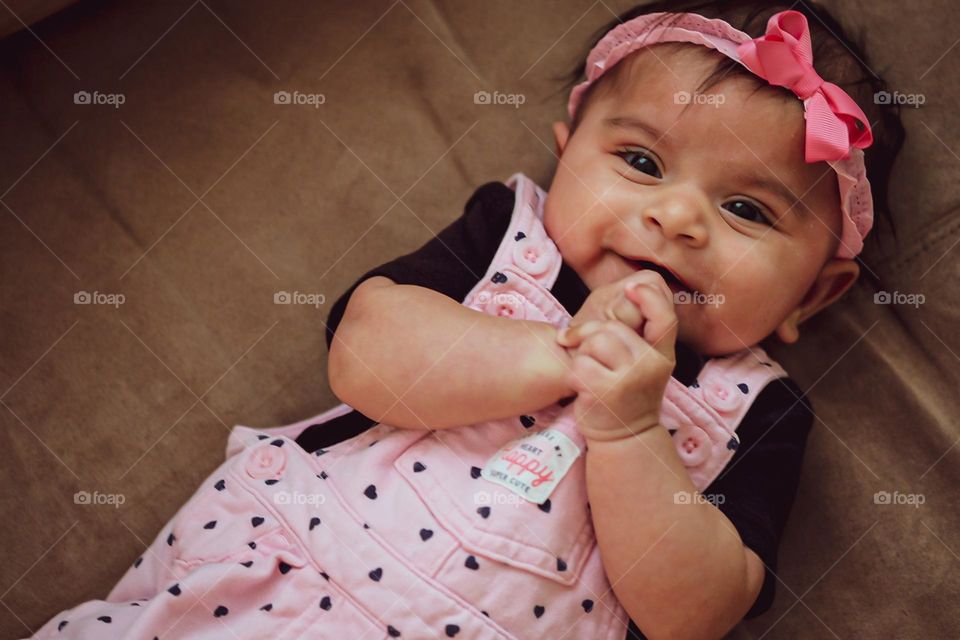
(658, 72)
(735, 116)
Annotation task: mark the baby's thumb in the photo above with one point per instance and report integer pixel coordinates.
(627, 311)
(660, 326)
(663, 336)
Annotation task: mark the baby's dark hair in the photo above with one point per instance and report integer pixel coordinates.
(837, 57)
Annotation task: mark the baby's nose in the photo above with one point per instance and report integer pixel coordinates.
(680, 214)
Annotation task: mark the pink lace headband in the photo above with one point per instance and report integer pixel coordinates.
(836, 131)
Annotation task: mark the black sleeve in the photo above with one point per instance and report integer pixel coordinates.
(455, 259)
(759, 483)
(451, 263)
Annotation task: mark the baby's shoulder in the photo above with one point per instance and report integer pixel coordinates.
(781, 412)
(490, 200)
(486, 216)
(778, 406)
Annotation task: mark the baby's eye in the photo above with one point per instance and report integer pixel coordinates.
(641, 160)
(747, 210)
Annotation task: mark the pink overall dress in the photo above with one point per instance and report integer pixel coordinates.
(480, 532)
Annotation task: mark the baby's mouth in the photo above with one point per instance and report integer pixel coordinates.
(674, 282)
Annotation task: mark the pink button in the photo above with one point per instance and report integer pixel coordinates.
(534, 256)
(693, 445)
(507, 304)
(722, 395)
(266, 461)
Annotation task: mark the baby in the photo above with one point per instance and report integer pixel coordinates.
(540, 401)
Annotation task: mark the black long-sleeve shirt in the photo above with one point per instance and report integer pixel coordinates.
(758, 485)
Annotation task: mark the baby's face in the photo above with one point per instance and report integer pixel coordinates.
(640, 180)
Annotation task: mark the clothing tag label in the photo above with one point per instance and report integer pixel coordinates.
(532, 466)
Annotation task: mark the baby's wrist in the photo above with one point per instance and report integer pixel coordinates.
(624, 431)
(547, 363)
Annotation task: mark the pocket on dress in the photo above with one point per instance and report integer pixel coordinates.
(223, 522)
(552, 539)
(228, 544)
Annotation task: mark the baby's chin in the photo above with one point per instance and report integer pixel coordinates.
(710, 343)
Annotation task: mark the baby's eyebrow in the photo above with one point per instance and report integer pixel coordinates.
(768, 181)
(630, 122)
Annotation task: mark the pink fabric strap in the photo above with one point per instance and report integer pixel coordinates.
(836, 131)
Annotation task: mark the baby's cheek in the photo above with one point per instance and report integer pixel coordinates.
(694, 324)
(757, 318)
(576, 240)
(721, 324)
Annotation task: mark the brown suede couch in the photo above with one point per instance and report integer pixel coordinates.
(199, 198)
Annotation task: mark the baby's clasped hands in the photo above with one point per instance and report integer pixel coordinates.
(622, 347)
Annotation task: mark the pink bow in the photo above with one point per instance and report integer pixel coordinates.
(784, 57)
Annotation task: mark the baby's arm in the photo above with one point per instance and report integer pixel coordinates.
(665, 556)
(415, 358)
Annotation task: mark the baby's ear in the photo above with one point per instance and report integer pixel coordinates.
(561, 132)
(836, 276)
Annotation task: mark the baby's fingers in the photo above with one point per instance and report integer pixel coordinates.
(660, 329)
(622, 308)
(574, 334)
